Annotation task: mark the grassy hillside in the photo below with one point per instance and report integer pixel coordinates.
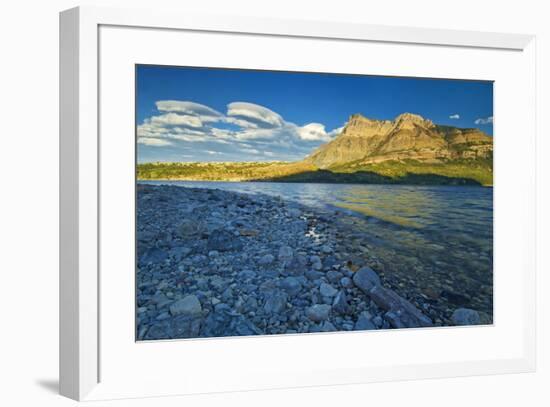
(478, 170)
(456, 172)
(228, 171)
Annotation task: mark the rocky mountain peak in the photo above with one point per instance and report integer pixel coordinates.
(357, 119)
(411, 118)
(408, 136)
(359, 125)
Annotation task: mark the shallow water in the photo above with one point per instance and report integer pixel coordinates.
(435, 240)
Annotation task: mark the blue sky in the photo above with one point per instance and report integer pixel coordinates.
(203, 114)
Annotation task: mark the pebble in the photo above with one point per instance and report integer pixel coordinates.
(346, 282)
(365, 279)
(291, 285)
(266, 259)
(364, 322)
(327, 290)
(285, 253)
(340, 304)
(465, 316)
(188, 305)
(326, 249)
(219, 263)
(318, 312)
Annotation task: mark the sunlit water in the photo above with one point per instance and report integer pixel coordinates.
(437, 240)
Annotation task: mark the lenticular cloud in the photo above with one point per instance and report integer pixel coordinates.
(182, 121)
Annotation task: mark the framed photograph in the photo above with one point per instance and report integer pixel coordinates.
(255, 203)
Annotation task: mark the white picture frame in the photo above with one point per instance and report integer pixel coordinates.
(86, 374)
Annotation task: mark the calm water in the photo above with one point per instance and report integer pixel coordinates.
(437, 240)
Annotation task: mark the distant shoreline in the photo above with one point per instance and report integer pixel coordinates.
(306, 182)
(405, 172)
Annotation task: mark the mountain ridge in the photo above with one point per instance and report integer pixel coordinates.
(407, 137)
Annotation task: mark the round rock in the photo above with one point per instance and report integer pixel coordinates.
(465, 316)
(188, 305)
(318, 312)
(291, 285)
(266, 259)
(346, 282)
(190, 228)
(365, 279)
(327, 290)
(285, 253)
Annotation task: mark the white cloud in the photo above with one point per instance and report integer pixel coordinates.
(251, 150)
(156, 142)
(312, 131)
(254, 114)
(241, 122)
(484, 120)
(454, 116)
(257, 129)
(189, 108)
(335, 132)
(173, 119)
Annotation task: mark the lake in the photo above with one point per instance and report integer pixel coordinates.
(434, 240)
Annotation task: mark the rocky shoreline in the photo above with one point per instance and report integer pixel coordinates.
(214, 263)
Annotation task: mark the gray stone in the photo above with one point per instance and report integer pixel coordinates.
(275, 302)
(291, 285)
(294, 212)
(217, 283)
(285, 253)
(159, 330)
(179, 252)
(328, 327)
(340, 304)
(316, 262)
(318, 312)
(326, 249)
(222, 240)
(327, 290)
(202, 283)
(161, 300)
(266, 259)
(190, 228)
(142, 332)
(163, 315)
(400, 312)
(333, 276)
(216, 323)
(154, 256)
(365, 279)
(251, 304)
(186, 326)
(246, 275)
(364, 322)
(313, 275)
(314, 259)
(188, 305)
(297, 265)
(244, 327)
(465, 316)
(346, 282)
(378, 321)
(227, 294)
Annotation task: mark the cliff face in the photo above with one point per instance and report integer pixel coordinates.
(408, 136)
